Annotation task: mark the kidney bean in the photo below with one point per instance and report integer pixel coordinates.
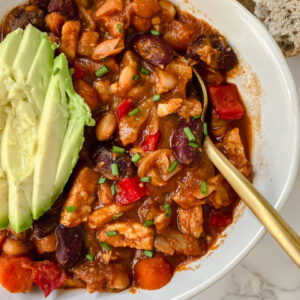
(19, 17)
(224, 58)
(69, 246)
(153, 49)
(45, 225)
(186, 154)
(49, 221)
(67, 8)
(41, 3)
(102, 158)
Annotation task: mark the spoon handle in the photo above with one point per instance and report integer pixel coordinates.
(268, 216)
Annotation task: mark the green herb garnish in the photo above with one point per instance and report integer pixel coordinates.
(102, 71)
(134, 112)
(71, 208)
(193, 145)
(111, 233)
(187, 131)
(90, 257)
(173, 166)
(115, 217)
(144, 71)
(203, 188)
(118, 150)
(154, 32)
(145, 179)
(148, 253)
(156, 97)
(114, 169)
(136, 158)
(113, 189)
(148, 223)
(105, 246)
(168, 210)
(102, 180)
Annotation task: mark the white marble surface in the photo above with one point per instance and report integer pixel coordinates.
(266, 273)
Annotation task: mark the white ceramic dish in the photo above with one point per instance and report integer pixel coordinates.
(275, 150)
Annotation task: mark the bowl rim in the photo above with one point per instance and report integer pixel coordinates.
(290, 85)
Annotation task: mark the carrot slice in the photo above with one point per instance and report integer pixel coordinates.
(16, 274)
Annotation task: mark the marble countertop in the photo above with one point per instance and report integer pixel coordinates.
(267, 273)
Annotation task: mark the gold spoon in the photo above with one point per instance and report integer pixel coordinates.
(285, 236)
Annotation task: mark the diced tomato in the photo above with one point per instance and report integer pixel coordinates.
(226, 101)
(16, 274)
(48, 276)
(124, 108)
(130, 190)
(151, 141)
(78, 73)
(218, 218)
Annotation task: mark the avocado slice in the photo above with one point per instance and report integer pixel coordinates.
(40, 73)
(79, 117)
(28, 49)
(8, 50)
(51, 132)
(18, 147)
(3, 180)
(23, 62)
(3, 200)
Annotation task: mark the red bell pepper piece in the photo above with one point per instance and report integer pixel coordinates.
(220, 219)
(226, 101)
(124, 108)
(151, 141)
(78, 73)
(130, 190)
(48, 276)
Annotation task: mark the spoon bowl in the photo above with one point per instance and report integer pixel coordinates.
(285, 236)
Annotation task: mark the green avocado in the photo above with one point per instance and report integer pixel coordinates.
(42, 122)
(39, 74)
(18, 148)
(52, 128)
(8, 51)
(3, 180)
(79, 117)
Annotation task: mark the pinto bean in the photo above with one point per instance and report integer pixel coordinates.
(141, 24)
(107, 48)
(110, 7)
(179, 35)
(46, 244)
(55, 21)
(106, 127)
(102, 159)
(14, 247)
(66, 7)
(69, 39)
(69, 245)
(153, 49)
(186, 154)
(145, 8)
(87, 42)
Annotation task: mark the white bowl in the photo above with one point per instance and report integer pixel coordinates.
(274, 113)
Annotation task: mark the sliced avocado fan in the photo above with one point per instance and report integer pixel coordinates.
(43, 126)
